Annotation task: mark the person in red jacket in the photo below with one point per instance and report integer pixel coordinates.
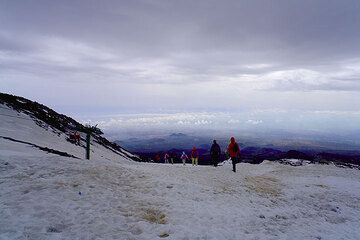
(77, 137)
(194, 156)
(234, 151)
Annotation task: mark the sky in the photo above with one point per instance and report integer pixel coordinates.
(100, 59)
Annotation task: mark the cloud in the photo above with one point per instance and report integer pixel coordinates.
(229, 122)
(234, 121)
(202, 122)
(254, 122)
(346, 78)
(156, 120)
(334, 113)
(69, 60)
(58, 58)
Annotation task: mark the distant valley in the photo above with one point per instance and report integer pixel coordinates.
(254, 150)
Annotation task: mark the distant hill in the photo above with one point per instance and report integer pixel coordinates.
(178, 135)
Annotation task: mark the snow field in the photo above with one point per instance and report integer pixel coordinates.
(124, 200)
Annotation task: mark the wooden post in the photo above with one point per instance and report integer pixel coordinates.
(88, 135)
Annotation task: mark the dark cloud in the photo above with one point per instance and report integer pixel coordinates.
(236, 46)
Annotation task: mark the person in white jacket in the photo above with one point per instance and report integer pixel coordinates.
(184, 157)
(166, 158)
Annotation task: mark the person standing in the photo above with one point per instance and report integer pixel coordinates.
(215, 152)
(234, 151)
(173, 157)
(77, 137)
(194, 156)
(166, 158)
(184, 157)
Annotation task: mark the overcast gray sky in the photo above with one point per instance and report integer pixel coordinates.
(112, 56)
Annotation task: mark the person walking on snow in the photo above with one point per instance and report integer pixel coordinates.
(172, 157)
(184, 157)
(215, 152)
(166, 158)
(234, 151)
(194, 156)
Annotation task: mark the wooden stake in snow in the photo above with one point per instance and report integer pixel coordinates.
(89, 130)
(88, 135)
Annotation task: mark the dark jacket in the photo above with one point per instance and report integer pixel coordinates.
(215, 150)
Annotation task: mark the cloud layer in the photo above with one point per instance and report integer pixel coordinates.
(261, 121)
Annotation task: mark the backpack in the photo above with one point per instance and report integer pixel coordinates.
(235, 148)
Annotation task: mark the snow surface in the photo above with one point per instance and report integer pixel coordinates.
(46, 196)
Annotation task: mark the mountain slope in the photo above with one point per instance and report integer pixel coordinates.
(33, 123)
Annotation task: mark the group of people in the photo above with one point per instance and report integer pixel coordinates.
(194, 157)
(170, 157)
(75, 137)
(215, 153)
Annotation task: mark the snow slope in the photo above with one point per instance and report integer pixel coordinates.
(47, 196)
(24, 126)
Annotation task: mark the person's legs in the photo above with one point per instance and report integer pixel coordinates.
(172, 161)
(215, 160)
(184, 162)
(193, 161)
(233, 160)
(196, 161)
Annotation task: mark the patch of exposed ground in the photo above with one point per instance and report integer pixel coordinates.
(264, 185)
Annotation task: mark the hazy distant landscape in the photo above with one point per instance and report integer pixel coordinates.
(256, 146)
(280, 140)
